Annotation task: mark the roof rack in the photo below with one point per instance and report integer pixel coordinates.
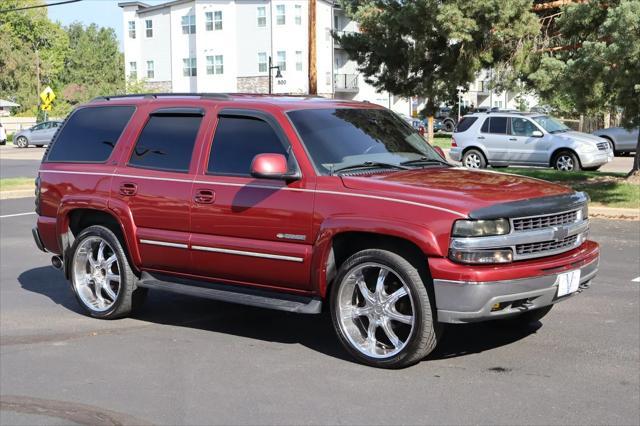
(222, 96)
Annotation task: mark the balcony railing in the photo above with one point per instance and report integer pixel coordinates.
(345, 82)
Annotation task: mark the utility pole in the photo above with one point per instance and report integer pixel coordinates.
(313, 72)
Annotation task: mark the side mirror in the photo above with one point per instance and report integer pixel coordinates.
(271, 166)
(537, 134)
(439, 151)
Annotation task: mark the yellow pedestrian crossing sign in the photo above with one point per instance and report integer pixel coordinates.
(47, 96)
(45, 107)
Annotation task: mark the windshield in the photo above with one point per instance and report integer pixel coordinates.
(550, 124)
(342, 137)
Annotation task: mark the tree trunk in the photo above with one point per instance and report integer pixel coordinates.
(636, 159)
(430, 129)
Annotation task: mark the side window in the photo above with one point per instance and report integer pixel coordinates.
(237, 141)
(464, 124)
(90, 134)
(485, 125)
(498, 125)
(39, 127)
(166, 142)
(522, 127)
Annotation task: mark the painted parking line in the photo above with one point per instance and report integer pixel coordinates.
(17, 214)
(636, 280)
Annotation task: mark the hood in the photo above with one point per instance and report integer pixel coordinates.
(455, 188)
(580, 137)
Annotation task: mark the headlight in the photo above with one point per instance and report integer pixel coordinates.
(480, 228)
(482, 256)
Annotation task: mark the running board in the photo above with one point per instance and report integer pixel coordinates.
(232, 294)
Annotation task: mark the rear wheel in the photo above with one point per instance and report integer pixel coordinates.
(448, 126)
(566, 161)
(22, 142)
(474, 159)
(381, 310)
(102, 279)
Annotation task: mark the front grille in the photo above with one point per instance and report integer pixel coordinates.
(540, 222)
(603, 146)
(545, 246)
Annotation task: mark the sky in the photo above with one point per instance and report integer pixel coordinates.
(104, 13)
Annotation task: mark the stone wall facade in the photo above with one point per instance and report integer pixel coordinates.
(257, 84)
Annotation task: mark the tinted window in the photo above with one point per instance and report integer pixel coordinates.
(464, 124)
(485, 126)
(166, 142)
(498, 125)
(522, 127)
(237, 141)
(90, 134)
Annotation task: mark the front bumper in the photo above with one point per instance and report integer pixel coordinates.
(471, 301)
(595, 158)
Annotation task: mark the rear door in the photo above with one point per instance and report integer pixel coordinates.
(155, 183)
(247, 230)
(493, 134)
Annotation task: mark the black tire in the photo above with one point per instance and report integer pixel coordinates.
(474, 159)
(22, 142)
(448, 126)
(525, 319)
(566, 161)
(591, 169)
(425, 332)
(129, 296)
(39, 146)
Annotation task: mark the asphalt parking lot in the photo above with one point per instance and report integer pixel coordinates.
(182, 360)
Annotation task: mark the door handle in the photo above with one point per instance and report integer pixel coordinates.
(128, 189)
(204, 196)
(513, 139)
(480, 137)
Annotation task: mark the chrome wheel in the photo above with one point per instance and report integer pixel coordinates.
(96, 274)
(22, 142)
(565, 163)
(472, 161)
(375, 310)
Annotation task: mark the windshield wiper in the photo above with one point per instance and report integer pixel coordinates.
(559, 131)
(369, 164)
(424, 160)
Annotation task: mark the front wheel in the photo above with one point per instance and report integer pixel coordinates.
(22, 142)
(102, 279)
(566, 161)
(381, 310)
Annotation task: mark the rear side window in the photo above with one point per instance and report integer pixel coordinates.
(90, 134)
(464, 124)
(166, 143)
(498, 125)
(237, 141)
(485, 126)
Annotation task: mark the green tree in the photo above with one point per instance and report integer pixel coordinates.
(429, 48)
(596, 66)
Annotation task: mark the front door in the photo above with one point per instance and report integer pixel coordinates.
(524, 147)
(247, 230)
(156, 184)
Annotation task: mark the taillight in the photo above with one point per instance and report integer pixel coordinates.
(453, 141)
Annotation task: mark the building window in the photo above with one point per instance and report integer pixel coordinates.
(132, 29)
(208, 19)
(217, 20)
(215, 65)
(298, 60)
(149, 27)
(298, 15)
(150, 69)
(262, 16)
(280, 14)
(282, 60)
(189, 68)
(262, 62)
(189, 24)
(336, 22)
(133, 70)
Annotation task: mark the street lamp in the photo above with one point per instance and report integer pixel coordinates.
(278, 73)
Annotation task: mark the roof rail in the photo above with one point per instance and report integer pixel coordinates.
(222, 96)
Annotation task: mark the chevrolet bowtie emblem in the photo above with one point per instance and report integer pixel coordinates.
(560, 234)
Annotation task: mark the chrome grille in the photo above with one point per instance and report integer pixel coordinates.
(540, 222)
(546, 246)
(603, 146)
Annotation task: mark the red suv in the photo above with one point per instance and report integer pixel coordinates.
(299, 204)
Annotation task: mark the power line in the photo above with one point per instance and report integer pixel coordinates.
(39, 5)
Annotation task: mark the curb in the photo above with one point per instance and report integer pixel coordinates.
(18, 193)
(614, 213)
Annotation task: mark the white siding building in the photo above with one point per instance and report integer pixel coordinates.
(225, 45)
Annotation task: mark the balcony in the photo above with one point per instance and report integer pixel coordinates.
(346, 83)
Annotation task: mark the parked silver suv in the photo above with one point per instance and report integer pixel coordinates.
(512, 138)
